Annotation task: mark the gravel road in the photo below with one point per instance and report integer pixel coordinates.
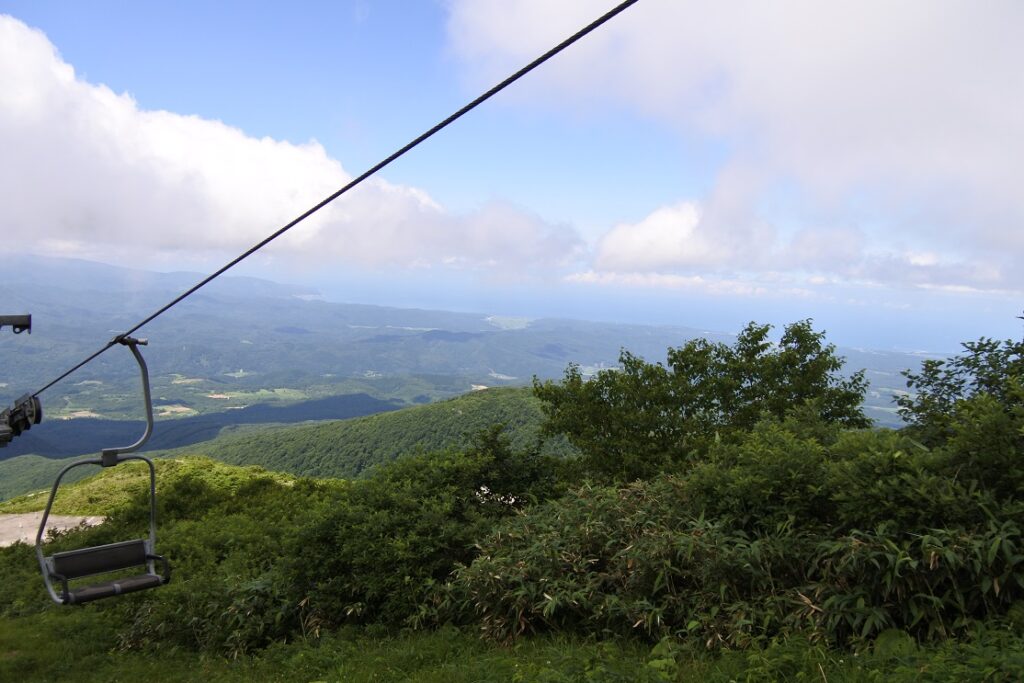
(23, 527)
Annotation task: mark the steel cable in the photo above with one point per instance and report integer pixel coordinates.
(354, 182)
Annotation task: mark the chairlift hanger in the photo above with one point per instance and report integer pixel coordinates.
(63, 567)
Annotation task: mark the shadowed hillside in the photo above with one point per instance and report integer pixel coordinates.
(349, 448)
(343, 448)
(64, 438)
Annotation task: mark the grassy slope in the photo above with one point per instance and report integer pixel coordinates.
(32, 473)
(109, 489)
(79, 645)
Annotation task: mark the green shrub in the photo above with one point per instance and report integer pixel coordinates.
(986, 442)
(884, 476)
(767, 478)
(23, 590)
(220, 613)
(383, 543)
(934, 584)
(771, 536)
(630, 561)
(227, 537)
(987, 368)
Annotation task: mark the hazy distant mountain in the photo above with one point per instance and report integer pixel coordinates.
(246, 341)
(273, 334)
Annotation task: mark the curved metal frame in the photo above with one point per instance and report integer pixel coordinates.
(109, 458)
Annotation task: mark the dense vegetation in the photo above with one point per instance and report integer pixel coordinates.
(729, 516)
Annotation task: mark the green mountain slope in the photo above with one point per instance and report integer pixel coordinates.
(33, 473)
(101, 491)
(348, 448)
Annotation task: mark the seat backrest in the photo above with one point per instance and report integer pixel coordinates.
(73, 564)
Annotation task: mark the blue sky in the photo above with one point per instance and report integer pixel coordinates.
(688, 164)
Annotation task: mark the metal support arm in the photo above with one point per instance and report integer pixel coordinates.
(18, 323)
(112, 456)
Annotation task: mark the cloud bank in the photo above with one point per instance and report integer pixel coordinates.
(88, 173)
(888, 130)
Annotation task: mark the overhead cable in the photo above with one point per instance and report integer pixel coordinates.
(352, 183)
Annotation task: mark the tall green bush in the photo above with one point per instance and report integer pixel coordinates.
(643, 418)
(987, 367)
(229, 547)
(631, 561)
(378, 550)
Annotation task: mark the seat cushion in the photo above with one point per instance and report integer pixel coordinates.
(111, 588)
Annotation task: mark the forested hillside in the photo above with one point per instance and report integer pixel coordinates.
(729, 516)
(85, 436)
(348, 448)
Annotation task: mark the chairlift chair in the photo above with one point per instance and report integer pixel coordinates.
(60, 568)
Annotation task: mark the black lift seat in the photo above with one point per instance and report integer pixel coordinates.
(74, 564)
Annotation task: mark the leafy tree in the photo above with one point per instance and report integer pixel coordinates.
(989, 367)
(639, 419)
(970, 409)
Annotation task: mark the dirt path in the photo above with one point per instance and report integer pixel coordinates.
(23, 527)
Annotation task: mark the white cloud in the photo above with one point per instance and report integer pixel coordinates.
(676, 247)
(86, 172)
(899, 122)
(716, 285)
(667, 237)
(675, 237)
